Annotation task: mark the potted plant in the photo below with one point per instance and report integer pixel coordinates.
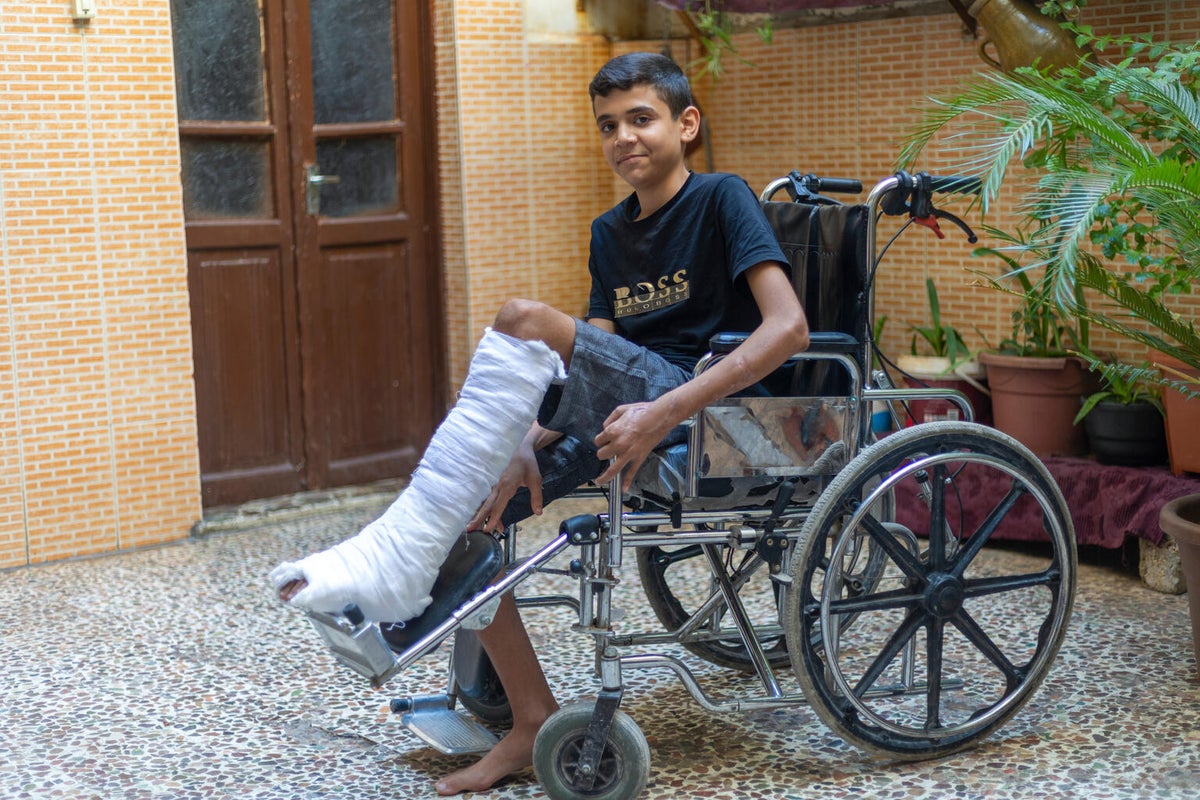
(1035, 376)
(939, 358)
(1114, 147)
(1182, 411)
(1124, 421)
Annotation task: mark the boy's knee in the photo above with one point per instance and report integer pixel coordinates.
(524, 319)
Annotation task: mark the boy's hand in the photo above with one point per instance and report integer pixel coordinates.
(521, 471)
(630, 433)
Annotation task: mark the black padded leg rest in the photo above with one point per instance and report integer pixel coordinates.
(830, 342)
(473, 562)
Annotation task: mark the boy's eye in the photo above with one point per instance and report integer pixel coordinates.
(606, 127)
(641, 119)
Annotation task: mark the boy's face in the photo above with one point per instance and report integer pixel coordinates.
(640, 140)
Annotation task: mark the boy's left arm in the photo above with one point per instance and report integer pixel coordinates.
(632, 431)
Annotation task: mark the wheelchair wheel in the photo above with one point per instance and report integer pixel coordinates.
(948, 644)
(672, 577)
(624, 766)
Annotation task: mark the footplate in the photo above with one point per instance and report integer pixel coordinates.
(361, 647)
(434, 721)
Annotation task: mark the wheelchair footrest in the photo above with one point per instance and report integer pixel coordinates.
(436, 723)
(356, 644)
(475, 559)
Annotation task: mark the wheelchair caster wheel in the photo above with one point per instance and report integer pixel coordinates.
(624, 767)
(478, 685)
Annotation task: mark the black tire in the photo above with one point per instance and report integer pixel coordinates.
(478, 686)
(997, 634)
(624, 766)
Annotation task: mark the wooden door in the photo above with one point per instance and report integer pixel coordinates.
(306, 139)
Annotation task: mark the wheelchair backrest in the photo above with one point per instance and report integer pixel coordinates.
(827, 248)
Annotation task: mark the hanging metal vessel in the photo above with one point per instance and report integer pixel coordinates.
(1023, 36)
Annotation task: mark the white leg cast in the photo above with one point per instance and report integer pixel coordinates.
(390, 566)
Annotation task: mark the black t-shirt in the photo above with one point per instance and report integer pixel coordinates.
(671, 281)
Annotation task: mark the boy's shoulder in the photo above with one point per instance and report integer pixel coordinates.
(699, 185)
(713, 179)
(722, 185)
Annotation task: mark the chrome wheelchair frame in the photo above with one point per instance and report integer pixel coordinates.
(853, 587)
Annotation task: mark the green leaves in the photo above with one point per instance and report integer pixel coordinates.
(1114, 149)
(941, 340)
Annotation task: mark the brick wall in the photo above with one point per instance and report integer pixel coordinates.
(98, 446)
(520, 165)
(97, 417)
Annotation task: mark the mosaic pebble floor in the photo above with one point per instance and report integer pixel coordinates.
(173, 673)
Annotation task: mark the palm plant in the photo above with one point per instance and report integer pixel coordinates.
(1115, 148)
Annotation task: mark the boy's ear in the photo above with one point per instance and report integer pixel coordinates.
(689, 124)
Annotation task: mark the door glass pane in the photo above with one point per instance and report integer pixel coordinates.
(226, 178)
(366, 169)
(219, 71)
(352, 64)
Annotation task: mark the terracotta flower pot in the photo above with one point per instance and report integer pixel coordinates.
(1035, 400)
(1180, 519)
(1183, 420)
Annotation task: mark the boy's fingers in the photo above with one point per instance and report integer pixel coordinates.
(535, 496)
(614, 469)
(631, 471)
(480, 515)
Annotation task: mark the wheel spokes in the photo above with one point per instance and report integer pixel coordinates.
(984, 532)
(933, 674)
(967, 625)
(899, 638)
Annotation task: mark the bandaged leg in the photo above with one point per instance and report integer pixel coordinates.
(390, 566)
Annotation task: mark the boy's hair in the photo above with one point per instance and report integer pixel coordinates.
(645, 69)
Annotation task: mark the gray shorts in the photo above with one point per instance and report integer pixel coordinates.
(606, 371)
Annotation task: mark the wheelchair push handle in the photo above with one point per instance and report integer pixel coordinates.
(955, 184)
(809, 188)
(912, 195)
(836, 185)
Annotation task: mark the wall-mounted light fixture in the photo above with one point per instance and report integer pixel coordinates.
(83, 11)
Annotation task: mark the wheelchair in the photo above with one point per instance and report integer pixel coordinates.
(784, 540)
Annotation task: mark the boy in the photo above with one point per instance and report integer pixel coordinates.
(683, 257)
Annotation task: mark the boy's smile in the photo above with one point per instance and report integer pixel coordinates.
(642, 143)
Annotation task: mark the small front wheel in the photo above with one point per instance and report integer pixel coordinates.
(624, 767)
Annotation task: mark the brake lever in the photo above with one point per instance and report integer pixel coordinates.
(971, 237)
(930, 221)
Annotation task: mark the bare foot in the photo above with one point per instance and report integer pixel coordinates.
(514, 752)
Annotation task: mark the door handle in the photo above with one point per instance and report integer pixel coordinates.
(313, 184)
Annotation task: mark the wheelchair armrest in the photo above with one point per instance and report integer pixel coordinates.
(830, 342)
